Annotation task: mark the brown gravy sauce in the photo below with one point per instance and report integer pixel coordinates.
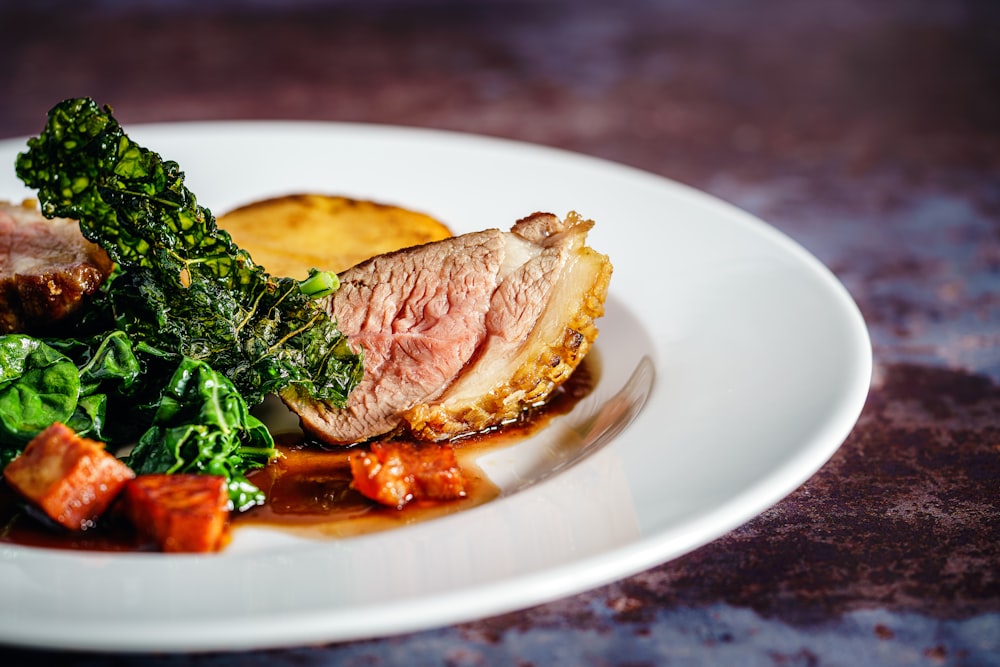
(309, 488)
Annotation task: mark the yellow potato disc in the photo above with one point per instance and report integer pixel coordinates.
(292, 234)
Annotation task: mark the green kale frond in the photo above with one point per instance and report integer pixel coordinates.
(184, 286)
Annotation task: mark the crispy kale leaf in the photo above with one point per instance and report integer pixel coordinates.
(183, 286)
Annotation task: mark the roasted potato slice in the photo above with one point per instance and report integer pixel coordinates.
(291, 234)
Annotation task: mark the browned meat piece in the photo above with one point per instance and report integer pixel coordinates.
(395, 473)
(463, 334)
(72, 479)
(539, 327)
(418, 315)
(179, 513)
(47, 268)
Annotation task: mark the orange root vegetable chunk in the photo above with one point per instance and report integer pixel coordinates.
(179, 513)
(72, 479)
(394, 473)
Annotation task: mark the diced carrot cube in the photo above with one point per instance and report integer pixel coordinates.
(394, 473)
(179, 513)
(72, 479)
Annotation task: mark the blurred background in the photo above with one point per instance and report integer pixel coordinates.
(825, 118)
(676, 86)
(867, 131)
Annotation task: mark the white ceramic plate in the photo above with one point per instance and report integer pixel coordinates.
(761, 363)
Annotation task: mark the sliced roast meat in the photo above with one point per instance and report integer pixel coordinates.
(47, 268)
(539, 328)
(463, 334)
(418, 316)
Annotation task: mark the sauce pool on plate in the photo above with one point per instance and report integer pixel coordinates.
(309, 489)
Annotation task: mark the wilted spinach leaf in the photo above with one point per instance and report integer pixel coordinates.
(202, 425)
(38, 386)
(108, 368)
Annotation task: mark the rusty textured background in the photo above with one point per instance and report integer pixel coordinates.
(867, 131)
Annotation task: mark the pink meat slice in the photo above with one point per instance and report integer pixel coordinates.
(461, 334)
(419, 316)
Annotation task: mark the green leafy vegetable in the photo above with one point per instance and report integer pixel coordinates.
(183, 287)
(202, 425)
(64, 380)
(112, 360)
(109, 369)
(38, 386)
(89, 419)
(198, 421)
(185, 333)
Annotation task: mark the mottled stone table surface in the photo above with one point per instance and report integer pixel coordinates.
(867, 131)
